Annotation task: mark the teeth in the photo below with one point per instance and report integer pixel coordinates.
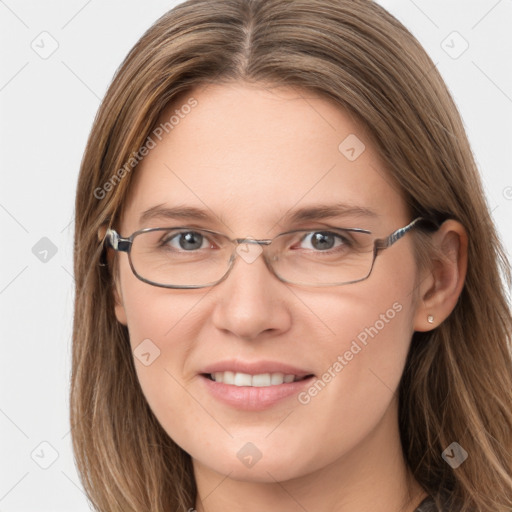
(276, 378)
(242, 379)
(260, 380)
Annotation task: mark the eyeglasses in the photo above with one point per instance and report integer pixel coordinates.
(186, 257)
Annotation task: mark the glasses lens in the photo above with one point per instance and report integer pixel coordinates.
(180, 257)
(324, 257)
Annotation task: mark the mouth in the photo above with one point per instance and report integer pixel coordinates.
(254, 386)
(260, 380)
(260, 373)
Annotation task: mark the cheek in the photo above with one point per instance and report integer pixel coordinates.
(372, 319)
(362, 366)
(370, 327)
(164, 318)
(163, 326)
(160, 331)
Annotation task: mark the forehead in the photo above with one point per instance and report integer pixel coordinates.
(247, 155)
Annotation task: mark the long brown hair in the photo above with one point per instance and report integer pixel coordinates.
(457, 383)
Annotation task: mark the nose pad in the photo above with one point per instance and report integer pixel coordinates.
(249, 249)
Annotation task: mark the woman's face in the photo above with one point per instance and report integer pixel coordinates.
(250, 158)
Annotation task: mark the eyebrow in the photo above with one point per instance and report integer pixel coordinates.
(311, 213)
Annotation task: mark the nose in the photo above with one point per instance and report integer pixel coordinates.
(251, 301)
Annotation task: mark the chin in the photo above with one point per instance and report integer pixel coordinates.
(276, 466)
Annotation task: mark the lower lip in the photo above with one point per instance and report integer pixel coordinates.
(252, 398)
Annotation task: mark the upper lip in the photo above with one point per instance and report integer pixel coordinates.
(255, 368)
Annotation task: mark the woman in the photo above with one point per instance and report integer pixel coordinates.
(309, 314)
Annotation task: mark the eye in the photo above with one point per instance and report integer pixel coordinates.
(324, 240)
(187, 240)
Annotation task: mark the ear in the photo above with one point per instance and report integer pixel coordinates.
(116, 287)
(441, 286)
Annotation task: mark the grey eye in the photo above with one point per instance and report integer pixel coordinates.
(190, 240)
(323, 240)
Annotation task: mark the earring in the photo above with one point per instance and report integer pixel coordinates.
(430, 319)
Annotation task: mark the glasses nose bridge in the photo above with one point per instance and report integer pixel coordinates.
(262, 241)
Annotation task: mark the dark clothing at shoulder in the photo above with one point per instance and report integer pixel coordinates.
(427, 505)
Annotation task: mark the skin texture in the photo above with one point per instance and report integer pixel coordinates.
(248, 155)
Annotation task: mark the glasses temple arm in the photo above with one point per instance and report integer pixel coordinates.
(399, 233)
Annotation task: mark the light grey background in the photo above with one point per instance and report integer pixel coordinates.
(47, 106)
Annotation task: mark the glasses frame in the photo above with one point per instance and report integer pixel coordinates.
(120, 244)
